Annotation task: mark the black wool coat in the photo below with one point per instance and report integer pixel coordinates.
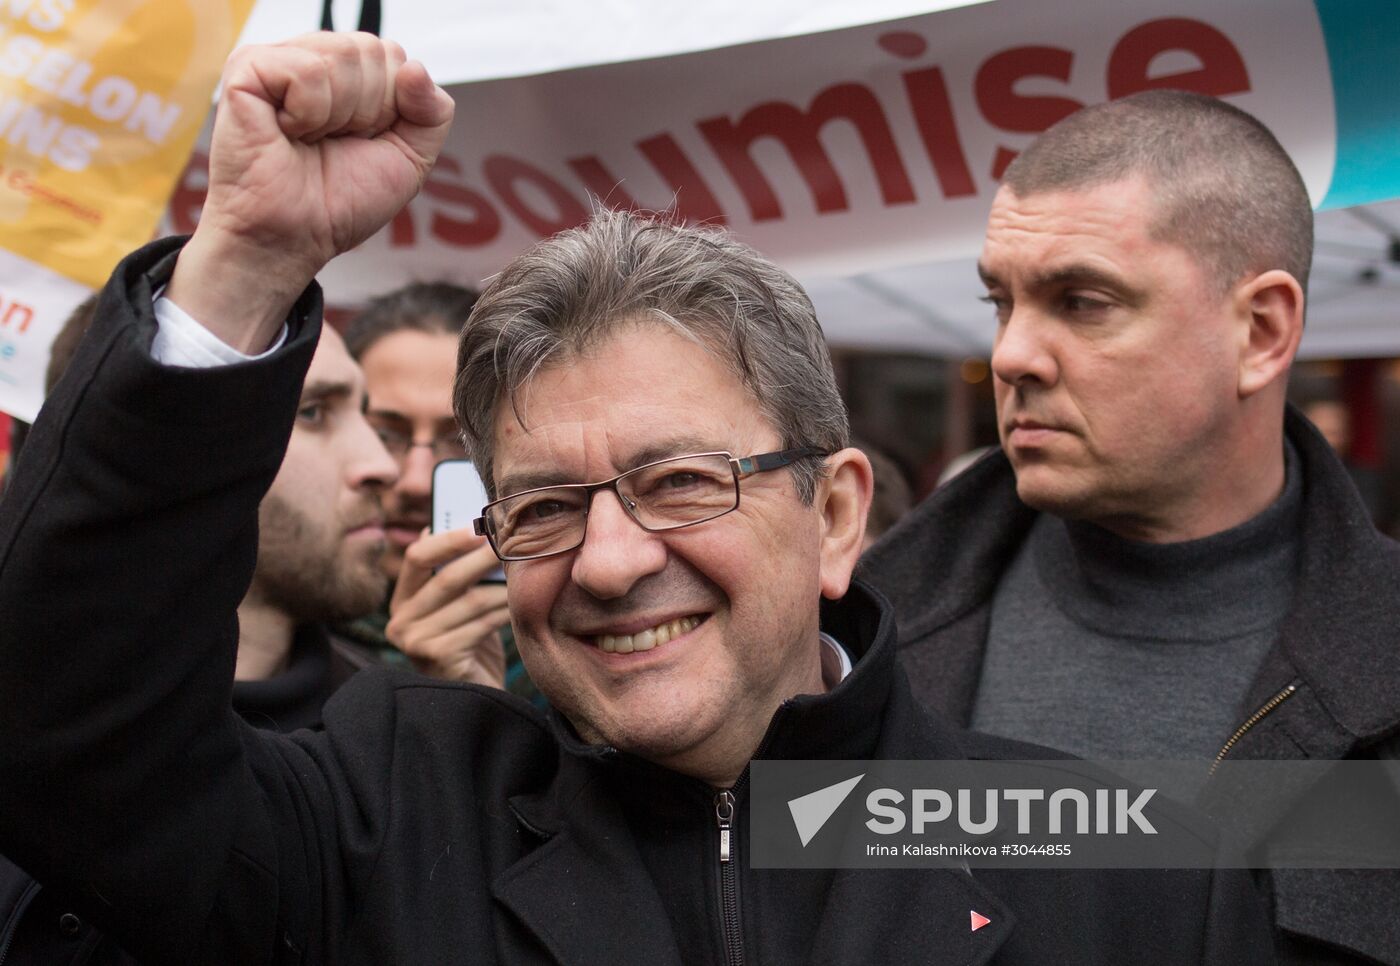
(1336, 663)
(427, 822)
(39, 927)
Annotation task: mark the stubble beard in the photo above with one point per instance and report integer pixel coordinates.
(310, 572)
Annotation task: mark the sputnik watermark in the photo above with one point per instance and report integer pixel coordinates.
(971, 813)
(1063, 814)
(1111, 811)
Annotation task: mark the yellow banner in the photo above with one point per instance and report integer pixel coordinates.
(100, 103)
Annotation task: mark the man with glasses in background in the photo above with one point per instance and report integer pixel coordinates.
(433, 821)
(445, 618)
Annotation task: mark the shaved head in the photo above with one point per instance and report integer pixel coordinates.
(1225, 189)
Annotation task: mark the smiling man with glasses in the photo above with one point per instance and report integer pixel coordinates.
(664, 592)
(436, 822)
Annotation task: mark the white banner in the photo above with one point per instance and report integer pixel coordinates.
(835, 153)
(870, 152)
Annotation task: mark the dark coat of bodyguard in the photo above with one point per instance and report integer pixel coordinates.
(679, 512)
(1161, 562)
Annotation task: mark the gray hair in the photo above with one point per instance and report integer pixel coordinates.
(1226, 190)
(571, 291)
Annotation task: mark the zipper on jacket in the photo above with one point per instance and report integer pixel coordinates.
(729, 875)
(13, 926)
(1253, 720)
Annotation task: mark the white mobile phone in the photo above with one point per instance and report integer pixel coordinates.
(458, 496)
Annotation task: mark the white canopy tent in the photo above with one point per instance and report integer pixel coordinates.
(903, 305)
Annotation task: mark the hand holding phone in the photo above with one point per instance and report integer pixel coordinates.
(446, 613)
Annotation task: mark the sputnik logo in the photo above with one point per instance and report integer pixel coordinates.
(811, 811)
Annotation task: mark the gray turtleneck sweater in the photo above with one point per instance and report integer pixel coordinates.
(1114, 649)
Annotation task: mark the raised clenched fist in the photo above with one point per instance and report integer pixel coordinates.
(318, 142)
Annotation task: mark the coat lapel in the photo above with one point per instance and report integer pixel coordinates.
(1347, 568)
(1344, 677)
(585, 893)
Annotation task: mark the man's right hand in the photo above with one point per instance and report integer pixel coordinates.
(317, 144)
(448, 621)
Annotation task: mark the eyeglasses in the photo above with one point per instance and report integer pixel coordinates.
(400, 444)
(665, 495)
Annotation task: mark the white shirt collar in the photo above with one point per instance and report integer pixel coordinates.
(836, 663)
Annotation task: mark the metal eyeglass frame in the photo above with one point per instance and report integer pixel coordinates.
(392, 439)
(740, 466)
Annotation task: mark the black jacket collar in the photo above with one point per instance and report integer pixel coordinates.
(1343, 632)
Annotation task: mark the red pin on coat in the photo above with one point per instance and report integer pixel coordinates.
(978, 920)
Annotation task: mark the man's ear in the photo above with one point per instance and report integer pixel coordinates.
(1271, 305)
(843, 500)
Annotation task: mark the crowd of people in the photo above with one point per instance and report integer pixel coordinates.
(252, 711)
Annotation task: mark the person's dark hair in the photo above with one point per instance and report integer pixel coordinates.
(420, 307)
(576, 289)
(1226, 190)
(65, 344)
